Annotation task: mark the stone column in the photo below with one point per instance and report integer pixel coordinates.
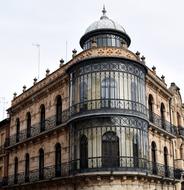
(178, 186)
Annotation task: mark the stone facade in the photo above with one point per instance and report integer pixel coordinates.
(62, 127)
(4, 133)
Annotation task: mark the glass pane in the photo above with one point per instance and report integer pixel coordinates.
(99, 42)
(109, 41)
(104, 41)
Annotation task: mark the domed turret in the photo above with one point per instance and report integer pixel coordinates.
(105, 32)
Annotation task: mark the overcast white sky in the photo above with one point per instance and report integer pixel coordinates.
(156, 28)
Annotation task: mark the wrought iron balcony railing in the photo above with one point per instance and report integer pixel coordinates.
(102, 164)
(114, 105)
(181, 130)
(35, 130)
(162, 123)
(2, 150)
(91, 106)
(133, 164)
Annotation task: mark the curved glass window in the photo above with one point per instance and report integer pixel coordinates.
(105, 40)
(135, 151)
(108, 84)
(134, 94)
(110, 150)
(133, 91)
(109, 88)
(83, 95)
(109, 92)
(119, 141)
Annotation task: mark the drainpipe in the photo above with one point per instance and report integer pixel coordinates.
(171, 126)
(176, 188)
(170, 109)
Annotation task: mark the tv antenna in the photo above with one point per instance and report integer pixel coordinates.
(3, 102)
(66, 50)
(38, 47)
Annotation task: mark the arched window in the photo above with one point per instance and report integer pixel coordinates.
(27, 168)
(58, 160)
(135, 151)
(28, 124)
(83, 95)
(41, 164)
(16, 171)
(181, 152)
(110, 149)
(83, 152)
(166, 162)
(109, 92)
(150, 107)
(162, 114)
(42, 118)
(17, 129)
(58, 110)
(153, 158)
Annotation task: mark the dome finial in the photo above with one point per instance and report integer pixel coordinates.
(104, 13)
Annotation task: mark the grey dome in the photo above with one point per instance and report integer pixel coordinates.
(102, 27)
(105, 23)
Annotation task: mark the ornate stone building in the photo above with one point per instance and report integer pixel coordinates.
(104, 120)
(4, 133)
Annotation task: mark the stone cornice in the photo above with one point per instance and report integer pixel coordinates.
(34, 97)
(156, 83)
(61, 72)
(91, 53)
(106, 52)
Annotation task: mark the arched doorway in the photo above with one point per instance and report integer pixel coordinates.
(27, 168)
(28, 124)
(17, 130)
(162, 115)
(83, 152)
(41, 164)
(57, 160)
(110, 150)
(166, 168)
(153, 158)
(16, 171)
(150, 107)
(42, 118)
(58, 110)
